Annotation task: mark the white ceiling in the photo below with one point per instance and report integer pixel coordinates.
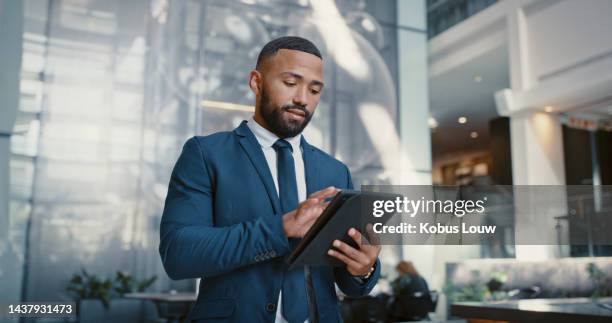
(455, 93)
(601, 111)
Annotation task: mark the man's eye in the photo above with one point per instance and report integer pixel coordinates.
(290, 83)
(315, 92)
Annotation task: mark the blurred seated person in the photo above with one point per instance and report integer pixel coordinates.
(412, 299)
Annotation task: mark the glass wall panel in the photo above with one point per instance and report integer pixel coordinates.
(112, 89)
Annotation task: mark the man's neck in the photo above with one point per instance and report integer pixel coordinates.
(260, 120)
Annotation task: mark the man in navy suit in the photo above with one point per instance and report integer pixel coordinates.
(238, 202)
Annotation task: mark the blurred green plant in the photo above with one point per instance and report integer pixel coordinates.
(476, 290)
(88, 286)
(125, 283)
(603, 284)
(84, 285)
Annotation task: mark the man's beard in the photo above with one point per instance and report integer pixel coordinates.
(278, 125)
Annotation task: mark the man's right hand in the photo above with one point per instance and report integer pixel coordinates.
(297, 222)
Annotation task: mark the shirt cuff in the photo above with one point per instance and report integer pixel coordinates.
(361, 280)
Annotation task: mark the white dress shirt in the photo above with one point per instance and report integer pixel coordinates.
(266, 139)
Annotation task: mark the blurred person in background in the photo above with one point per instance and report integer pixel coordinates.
(412, 299)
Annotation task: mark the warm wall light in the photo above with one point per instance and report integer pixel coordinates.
(477, 78)
(462, 120)
(548, 108)
(474, 134)
(226, 106)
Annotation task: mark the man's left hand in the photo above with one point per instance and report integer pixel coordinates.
(359, 261)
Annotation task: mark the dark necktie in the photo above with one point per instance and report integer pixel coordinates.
(293, 289)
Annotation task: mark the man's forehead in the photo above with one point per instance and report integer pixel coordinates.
(294, 60)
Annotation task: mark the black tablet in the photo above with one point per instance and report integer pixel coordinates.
(343, 212)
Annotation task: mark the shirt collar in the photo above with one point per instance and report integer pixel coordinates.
(266, 138)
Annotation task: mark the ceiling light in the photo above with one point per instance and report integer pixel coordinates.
(548, 108)
(432, 122)
(477, 78)
(474, 134)
(462, 120)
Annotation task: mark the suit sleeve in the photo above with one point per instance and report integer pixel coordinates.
(190, 245)
(349, 284)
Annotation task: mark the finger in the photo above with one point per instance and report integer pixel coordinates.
(317, 208)
(314, 209)
(356, 235)
(320, 193)
(311, 213)
(306, 225)
(310, 201)
(342, 257)
(324, 193)
(370, 250)
(351, 252)
(331, 193)
(322, 206)
(308, 218)
(362, 241)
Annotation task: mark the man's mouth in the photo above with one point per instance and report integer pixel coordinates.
(296, 113)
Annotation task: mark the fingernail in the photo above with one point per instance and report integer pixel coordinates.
(336, 243)
(351, 231)
(330, 252)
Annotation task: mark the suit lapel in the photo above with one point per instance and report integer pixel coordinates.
(311, 165)
(252, 148)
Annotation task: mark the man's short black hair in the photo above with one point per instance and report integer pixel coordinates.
(287, 42)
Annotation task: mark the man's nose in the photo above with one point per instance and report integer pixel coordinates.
(299, 98)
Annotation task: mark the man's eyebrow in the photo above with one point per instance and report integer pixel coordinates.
(298, 76)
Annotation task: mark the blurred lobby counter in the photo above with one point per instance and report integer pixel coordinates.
(170, 306)
(553, 278)
(510, 290)
(536, 310)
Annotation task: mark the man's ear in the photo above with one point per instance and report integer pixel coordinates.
(255, 82)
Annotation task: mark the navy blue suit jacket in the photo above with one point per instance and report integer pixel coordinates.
(222, 222)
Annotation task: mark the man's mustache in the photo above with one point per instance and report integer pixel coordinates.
(302, 108)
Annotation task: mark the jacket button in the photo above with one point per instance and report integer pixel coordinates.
(270, 307)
